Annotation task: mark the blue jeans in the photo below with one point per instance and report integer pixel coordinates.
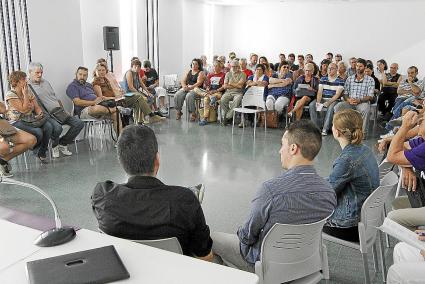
(327, 125)
(75, 124)
(43, 134)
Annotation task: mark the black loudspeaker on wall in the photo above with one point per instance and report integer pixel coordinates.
(111, 38)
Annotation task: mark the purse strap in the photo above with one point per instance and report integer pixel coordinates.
(43, 107)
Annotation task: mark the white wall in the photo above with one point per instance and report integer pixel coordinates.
(349, 28)
(170, 36)
(95, 14)
(55, 33)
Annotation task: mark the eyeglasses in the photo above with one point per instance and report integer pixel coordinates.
(285, 66)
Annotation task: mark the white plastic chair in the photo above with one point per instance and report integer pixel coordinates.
(169, 83)
(254, 96)
(384, 168)
(95, 129)
(371, 216)
(169, 244)
(293, 252)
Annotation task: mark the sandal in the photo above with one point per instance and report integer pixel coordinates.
(179, 115)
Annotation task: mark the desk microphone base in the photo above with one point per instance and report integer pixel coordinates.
(55, 236)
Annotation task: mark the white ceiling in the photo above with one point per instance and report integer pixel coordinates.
(260, 2)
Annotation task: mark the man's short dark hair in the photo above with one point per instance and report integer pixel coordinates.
(414, 68)
(81, 68)
(361, 61)
(330, 53)
(291, 55)
(137, 148)
(307, 136)
(300, 55)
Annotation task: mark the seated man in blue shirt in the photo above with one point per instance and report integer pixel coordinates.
(298, 196)
(86, 103)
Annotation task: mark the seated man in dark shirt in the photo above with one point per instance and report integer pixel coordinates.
(144, 208)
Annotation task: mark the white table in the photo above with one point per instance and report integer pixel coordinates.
(145, 264)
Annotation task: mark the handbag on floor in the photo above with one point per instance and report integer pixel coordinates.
(212, 117)
(272, 119)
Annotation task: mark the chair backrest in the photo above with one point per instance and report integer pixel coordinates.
(290, 252)
(384, 168)
(169, 244)
(372, 213)
(169, 81)
(254, 97)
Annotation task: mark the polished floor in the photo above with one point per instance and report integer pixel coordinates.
(231, 166)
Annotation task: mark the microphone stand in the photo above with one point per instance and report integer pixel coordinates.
(53, 237)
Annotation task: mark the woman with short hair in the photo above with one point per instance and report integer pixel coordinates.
(22, 107)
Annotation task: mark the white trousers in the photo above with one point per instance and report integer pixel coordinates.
(408, 267)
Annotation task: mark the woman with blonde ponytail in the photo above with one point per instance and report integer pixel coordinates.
(354, 175)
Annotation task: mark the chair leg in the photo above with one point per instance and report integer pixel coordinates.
(243, 120)
(233, 122)
(255, 122)
(382, 256)
(76, 147)
(366, 268)
(25, 160)
(325, 263)
(387, 238)
(375, 257)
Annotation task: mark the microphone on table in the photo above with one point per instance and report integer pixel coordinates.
(53, 237)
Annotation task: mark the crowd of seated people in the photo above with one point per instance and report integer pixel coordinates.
(344, 95)
(336, 84)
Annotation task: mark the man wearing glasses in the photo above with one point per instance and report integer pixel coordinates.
(233, 84)
(328, 95)
(358, 92)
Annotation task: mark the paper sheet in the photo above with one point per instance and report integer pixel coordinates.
(401, 233)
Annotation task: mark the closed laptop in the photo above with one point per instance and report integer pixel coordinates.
(100, 265)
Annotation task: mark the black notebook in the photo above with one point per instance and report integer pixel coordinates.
(100, 265)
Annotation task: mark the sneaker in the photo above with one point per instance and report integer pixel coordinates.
(55, 152)
(159, 113)
(64, 150)
(241, 125)
(5, 170)
(324, 133)
(163, 111)
(389, 134)
(213, 101)
(156, 118)
(203, 122)
(198, 190)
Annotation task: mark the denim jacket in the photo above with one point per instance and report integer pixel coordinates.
(354, 176)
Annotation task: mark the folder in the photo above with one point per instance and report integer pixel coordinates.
(100, 265)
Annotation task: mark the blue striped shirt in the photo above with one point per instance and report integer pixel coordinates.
(281, 91)
(298, 196)
(330, 87)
